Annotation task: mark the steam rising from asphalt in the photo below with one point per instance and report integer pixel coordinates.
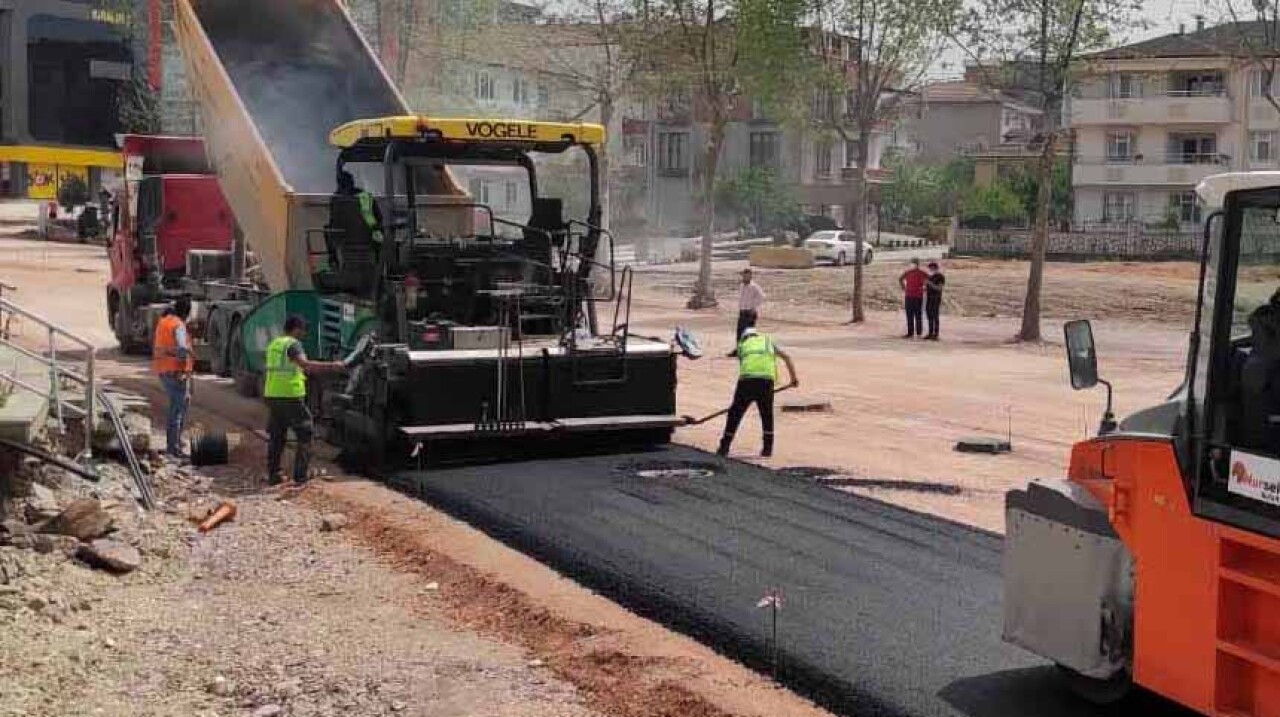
(301, 72)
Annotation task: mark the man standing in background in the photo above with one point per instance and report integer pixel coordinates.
(933, 299)
(913, 282)
(750, 301)
(172, 360)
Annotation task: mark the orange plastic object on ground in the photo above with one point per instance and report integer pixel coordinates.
(224, 512)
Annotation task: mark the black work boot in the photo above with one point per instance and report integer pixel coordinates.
(768, 446)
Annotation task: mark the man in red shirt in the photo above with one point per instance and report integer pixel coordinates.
(913, 283)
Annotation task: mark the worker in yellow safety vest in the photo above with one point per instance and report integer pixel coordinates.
(757, 373)
(370, 214)
(172, 360)
(285, 391)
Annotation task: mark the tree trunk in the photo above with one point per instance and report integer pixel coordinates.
(704, 295)
(857, 313)
(1039, 242)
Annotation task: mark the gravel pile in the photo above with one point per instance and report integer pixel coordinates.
(273, 613)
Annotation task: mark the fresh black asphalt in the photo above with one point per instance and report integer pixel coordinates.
(885, 612)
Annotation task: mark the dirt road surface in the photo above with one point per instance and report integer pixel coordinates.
(406, 611)
(896, 409)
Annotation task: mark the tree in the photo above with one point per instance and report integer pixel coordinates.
(918, 191)
(998, 201)
(1006, 35)
(715, 53)
(894, 42)
(1253, 33)
(588, 50)
(1026, 184)
(137, 103)
(758, 194)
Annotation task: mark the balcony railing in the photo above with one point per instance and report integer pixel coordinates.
(1158, 159)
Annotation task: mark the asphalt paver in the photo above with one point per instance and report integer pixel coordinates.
(884, 612)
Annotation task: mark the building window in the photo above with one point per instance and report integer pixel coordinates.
(673, 153)
(1262, 146)
(513, 195)
(1118, 207)
(764, 149)
(1124, 85)
(1257, 83)
(520, 91)
(479, 190)
(850, 154)
(484, 86)
(824, 105)
(1120, 147)
(1185, 207)
(822, 158)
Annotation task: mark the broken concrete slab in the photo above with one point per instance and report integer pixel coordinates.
(111, 555)
(84, 520)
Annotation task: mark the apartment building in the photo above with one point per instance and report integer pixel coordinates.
(817, 164)
(1153, 118)
(954, 118)
(817, 167)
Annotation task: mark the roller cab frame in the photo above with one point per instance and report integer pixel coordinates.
(1156, 561)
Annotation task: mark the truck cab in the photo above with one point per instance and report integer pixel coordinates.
(169, 206)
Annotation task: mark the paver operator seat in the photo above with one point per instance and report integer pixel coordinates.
(349, 238)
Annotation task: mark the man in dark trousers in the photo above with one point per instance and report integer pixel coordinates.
(750, 301)
(757, 373)
(913, 282)
(285, 391)
(933, 299)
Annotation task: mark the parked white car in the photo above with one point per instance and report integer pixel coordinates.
(839, 247)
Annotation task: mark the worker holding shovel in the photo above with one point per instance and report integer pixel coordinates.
(757, 373)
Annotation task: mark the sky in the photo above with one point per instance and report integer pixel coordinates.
(1163, 17)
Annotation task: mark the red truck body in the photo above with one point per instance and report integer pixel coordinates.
(170, 204)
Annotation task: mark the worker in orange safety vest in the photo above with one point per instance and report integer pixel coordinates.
(172, 360)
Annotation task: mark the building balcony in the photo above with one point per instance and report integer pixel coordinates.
(1167, 171)
(1170, 108)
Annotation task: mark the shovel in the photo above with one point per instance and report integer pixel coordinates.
(691, 421)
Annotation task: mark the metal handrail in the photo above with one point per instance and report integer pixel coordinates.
(58, 372)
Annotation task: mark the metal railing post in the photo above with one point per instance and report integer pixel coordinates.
(90, 406)
(54, 378)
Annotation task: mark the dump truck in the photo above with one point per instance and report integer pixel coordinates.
(463, 327)
(1156, 561)
(171, 232)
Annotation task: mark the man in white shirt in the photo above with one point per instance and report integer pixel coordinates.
(750, 301)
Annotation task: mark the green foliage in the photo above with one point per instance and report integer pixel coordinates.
(997, 201)
(1025, 182)
(72, 191)
(918, 191)
(759, 195)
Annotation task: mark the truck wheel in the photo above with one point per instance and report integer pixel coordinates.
(217, 340)
(246, 380)
(1098, 691)
(122, 326)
